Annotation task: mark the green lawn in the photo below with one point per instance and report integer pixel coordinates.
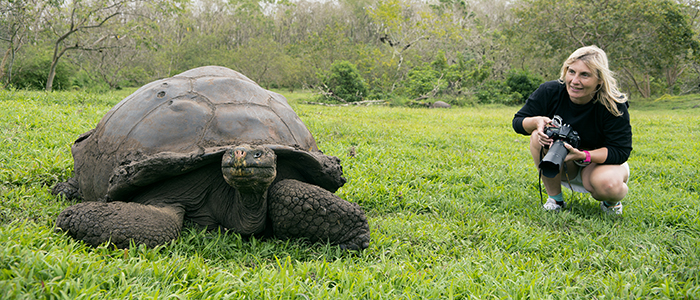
(452, 200)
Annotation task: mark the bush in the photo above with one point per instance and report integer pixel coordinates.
(514, 90)
(522, 82)
(83, 81)
(132, 77)
(497, 92)
(345, 82)
(32, 73)
(421, 81)
(462, 77)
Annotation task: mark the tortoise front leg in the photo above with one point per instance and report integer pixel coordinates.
(68, 189)
(121, 223)
(302, 210)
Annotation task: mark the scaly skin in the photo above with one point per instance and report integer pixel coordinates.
(302, 210)
(121, 223)
(68, 189)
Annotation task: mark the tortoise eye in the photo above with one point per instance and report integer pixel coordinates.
(258, 154)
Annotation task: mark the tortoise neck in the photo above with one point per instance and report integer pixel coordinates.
(247, 213)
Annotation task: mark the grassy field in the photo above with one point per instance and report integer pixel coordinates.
(452, 200)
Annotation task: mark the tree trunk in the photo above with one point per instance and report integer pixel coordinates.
(643, 88)
(52, 74)
(6, 72)
(647, 87)
(2, 64)
(11, 65)
(54, 61)
(672, 74)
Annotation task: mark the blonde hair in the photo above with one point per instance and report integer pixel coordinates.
(596, 60)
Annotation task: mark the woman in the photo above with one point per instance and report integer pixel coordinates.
(586, 97)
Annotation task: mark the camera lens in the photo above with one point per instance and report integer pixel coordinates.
(552, 162)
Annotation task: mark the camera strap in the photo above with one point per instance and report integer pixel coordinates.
(539, 177)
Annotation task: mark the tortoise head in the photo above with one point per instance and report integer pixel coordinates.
(250, 169)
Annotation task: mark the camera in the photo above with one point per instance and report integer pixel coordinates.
(561, 133)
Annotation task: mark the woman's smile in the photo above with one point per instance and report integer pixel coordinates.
(581, 83)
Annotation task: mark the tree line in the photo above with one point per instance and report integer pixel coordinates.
(463, 50)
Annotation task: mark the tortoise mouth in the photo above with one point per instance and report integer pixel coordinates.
(249, 179)
(249, 171)
(249, 168)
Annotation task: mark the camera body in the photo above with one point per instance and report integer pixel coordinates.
(561, 133)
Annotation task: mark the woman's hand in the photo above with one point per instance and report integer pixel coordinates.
(539, 123)
(574, 154)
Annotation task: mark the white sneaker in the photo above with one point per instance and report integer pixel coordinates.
(552, 204)
(611, 210)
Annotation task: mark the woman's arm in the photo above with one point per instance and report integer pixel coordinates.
(538, 123)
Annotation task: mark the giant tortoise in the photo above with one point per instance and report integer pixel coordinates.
(211, 146)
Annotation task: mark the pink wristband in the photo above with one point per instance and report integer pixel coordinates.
(588, 157)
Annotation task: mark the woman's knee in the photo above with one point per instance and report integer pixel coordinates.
(535, 148)
(608, 186)
(534, 141)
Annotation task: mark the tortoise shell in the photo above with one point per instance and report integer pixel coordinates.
(178, 124)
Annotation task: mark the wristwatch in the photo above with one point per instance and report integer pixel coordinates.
(585, 162)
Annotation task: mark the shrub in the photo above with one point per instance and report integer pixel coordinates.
(421, 81)
(346, 82)
(83, 81)
(32, 73)
(522, 82)
(497, 92)
(133, 77)
(492, 91)
(464, 76)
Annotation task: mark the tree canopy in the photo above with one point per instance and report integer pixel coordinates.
(462, 49)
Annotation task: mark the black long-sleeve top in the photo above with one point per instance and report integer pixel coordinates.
(596, 126)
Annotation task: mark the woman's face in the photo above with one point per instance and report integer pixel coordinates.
(581, 83)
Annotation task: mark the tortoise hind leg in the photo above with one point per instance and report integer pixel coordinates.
(68, 189)
(121, 223)
(302, 210)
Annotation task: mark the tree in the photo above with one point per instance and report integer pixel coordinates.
(400, 29)
(675, 34)
(643, 38)
(71, 23)
(17, 17)
(133, 59)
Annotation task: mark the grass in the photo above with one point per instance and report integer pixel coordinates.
(452, 200)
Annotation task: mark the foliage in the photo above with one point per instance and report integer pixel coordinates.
(496, 91)
(379, 68)
(346, 83)
(675, 35)
(643, 38)
(69, 22)
(15, 27)
(467, 74)
(422, 81)
(401, 48)
(523, 83)
(448, 80)
(83, 81)
(32, 71)
(451, 197)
